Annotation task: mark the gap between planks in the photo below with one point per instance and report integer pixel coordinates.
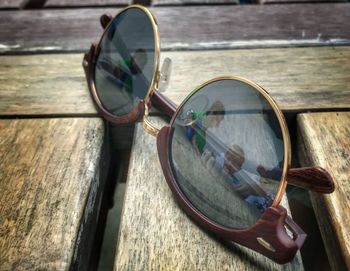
(323, 140)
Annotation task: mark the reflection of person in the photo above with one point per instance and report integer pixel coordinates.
(228, 167)
(196, 133)
(134, 66)
(232, 160)
(272, 174)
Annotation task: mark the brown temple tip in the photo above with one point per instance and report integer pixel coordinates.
(105, 19)
(313, 178)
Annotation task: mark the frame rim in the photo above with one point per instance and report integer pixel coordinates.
(282, 122)
(155, 78)
(267, 236)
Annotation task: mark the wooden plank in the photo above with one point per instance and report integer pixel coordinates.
(50, 185)
(86, 3)
(296, 1)
(250, 27)
(44, 85)
(32, 4)
(300, 79)
(10, 4)
(192, 2)
(324, 140)
(155, 234)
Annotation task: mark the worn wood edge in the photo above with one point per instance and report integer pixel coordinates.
(65, 22)
(254, 44)
(182, 46)
(321, 203)
(89, 202)
(247, 258)
(87, 231)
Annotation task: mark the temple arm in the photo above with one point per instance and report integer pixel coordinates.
(312, 178)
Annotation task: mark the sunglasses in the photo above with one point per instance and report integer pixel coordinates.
(226, 152)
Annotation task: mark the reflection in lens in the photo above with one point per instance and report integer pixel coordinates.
(227, 153)
(125, 65)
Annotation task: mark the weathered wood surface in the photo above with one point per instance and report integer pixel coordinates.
(155, 234)
(10, 3)
(249, 26)
(82, 3)
(324, 140)
(296, 1)
(32, 4)
(44, 84)
(300, 79)
(197, 2)
(49, 183)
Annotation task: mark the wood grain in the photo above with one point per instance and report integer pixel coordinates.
(86, 3)
(316, 179)
(197, 2)
(295, 1)
(155, 234)
(49, 185)
(44, 85)
(250, 26)
(10, 3)
(32, 4)
(300, 79)
(324, 141)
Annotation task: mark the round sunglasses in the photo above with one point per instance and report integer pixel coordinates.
(226, 152)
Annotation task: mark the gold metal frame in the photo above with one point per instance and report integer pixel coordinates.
(280, 117)
(149, 128)
(147, 125)
(156, 73)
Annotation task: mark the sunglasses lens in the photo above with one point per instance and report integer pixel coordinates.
(227, 152)
(126, 61)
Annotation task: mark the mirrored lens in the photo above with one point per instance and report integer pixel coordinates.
(126, 62)
(227, 152)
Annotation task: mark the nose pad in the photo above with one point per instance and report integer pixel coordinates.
(165, 73)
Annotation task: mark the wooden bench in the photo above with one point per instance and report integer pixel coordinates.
(305, 82)
(75, 30)
(324, 139)
(52, 172)
(43, 86)
(155, 234)
(10, 3)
